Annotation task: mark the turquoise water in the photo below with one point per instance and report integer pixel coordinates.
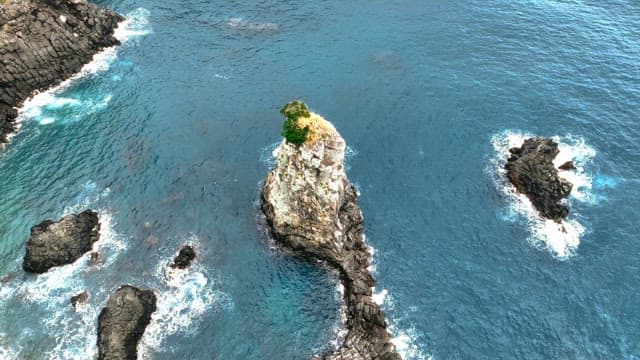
(170, 136)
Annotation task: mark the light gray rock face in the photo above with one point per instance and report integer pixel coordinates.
(42, 43)
(311, 207)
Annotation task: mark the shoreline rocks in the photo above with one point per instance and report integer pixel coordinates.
(123, 321)
(530, 169)
(42, 43)
(60, 243)
(311, 207)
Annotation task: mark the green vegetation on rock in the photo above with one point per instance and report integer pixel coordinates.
(290, 129)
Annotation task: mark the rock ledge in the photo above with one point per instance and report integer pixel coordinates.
(43, 42)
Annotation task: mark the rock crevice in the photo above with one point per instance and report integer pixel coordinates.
(42, 43)
(311, 207)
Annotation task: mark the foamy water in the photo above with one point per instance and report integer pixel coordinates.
(562, 239)
(135, 25)
(184, 295)
(51, 292)
(405, 339)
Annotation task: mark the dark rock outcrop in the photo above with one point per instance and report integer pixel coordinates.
(79, 299)
(311, 207)
(123, 321)
(184, 258)
(530, 169)
(569, 165)
(43, 42)
(60, 243)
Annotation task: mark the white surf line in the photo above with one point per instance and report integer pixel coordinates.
(136, 24)
(563, 239)
(183, 297)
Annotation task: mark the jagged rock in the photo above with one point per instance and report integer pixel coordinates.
(43, 42)
(569, 165)
(184, 257)
(530, 169)
(123, 321)
(60, 243)
(311, 207)
(79, 299)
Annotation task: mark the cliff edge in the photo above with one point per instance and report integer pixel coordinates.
(42, 43)
(311, 207)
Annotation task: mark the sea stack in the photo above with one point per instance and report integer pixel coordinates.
(122, 322)
(42, 43)
(311, 207)
(530, 169)
(60, 243)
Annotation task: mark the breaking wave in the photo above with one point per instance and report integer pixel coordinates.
(561, 239)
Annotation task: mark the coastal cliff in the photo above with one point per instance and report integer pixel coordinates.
(311, 207)
(42, 43)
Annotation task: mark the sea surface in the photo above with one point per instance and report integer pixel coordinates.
(170, 136)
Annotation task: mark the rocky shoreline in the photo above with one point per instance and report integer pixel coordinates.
(311, 208)
(44, 42)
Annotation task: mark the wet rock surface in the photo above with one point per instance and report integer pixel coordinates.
(60, 243)
(79, 300)
(530, 169)
(184, 258)
(123, 321)
(42, 43)
(311, 207)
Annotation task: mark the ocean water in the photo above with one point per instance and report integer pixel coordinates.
(170, 135)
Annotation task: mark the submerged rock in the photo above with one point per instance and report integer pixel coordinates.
(184, 257)
(530, 169)
(311, 207)
(43, 42)
(123, 321)
(79, 299)
(60, 243)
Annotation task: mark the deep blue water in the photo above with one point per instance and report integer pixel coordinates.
(171, 140)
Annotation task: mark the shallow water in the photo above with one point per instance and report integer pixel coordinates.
(169, 137)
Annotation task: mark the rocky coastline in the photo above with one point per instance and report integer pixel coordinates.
(44, 42)
(311, 208)
(531, 170)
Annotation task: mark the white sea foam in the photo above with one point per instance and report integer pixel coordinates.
(405, 339)
(184, 296)
(561, 239)
(135, 25)
(406, 344)
(75, 332)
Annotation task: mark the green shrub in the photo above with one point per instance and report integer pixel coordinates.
(290, 129)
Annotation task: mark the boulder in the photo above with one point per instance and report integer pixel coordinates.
(123, 321)
(569, 165)
(530, 169)
(79, 299)
(184, 258)
(60, 243)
